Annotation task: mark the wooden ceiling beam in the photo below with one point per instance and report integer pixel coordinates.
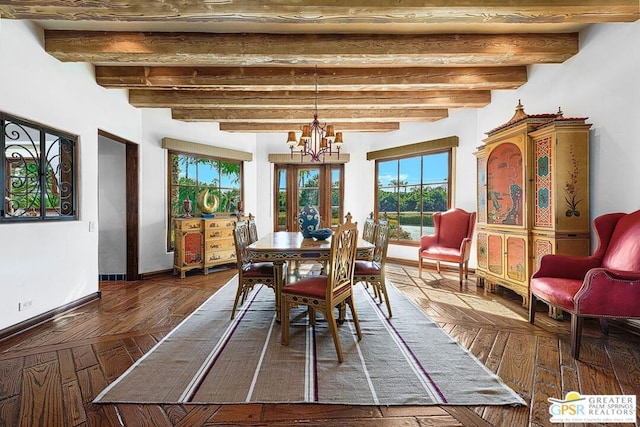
(301, 78)
(306, 12)
(251, 127)
(279, 115)
(322, 50)
(307, 99)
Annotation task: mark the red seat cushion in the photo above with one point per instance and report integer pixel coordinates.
(366, 268)
(315, 287)
(258, 269)
(556, 291)
(442, 253)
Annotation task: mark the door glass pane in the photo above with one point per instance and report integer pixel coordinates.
(335, 197)
(308, 191)
(282, 199)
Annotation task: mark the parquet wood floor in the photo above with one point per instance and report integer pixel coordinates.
(50, 374)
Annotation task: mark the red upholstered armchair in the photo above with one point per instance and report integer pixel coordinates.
(604, 285)
(451, 241)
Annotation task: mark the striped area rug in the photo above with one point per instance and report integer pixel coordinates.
(405, 360)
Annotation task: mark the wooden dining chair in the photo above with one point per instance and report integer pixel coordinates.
(253, 229)
(249, 273)
(324, 293)
(373, 272)
(369, 229)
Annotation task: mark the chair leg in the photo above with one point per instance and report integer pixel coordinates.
(576, 334)
(383, 290)
(466, 270)
(532, 307)
(604, 326)
(333, 326)
(461, 272)
(239, 294)
(438, 266)
(419, 266)
(354, 315)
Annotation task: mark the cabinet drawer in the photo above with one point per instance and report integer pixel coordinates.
(217, 233)
(221, 256)
(219, 223)
(189, 224)
(215, 244)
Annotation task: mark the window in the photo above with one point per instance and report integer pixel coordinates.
(38, 169)
(191, 175)
(410, 190)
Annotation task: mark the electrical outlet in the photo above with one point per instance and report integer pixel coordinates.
(24, 305)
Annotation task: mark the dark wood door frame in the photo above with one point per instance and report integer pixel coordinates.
(132, 197)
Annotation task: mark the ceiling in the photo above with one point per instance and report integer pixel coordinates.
(254, 68)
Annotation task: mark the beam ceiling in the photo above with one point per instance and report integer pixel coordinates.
(252, 67)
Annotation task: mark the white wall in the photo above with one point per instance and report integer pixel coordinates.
(56, 263)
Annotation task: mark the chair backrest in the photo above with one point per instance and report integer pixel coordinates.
(381, 242)
(453, 226)
(253, 229)
(368, 231)
(623, 249)
(342, 257)
(241, 239)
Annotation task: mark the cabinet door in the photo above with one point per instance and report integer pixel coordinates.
(190, 248)
(505, 184)
(483, 250)
(517, 258)
(495, 256)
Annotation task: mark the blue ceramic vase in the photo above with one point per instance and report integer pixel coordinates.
(309, 220)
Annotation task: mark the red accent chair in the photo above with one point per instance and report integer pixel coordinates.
(604, 285)
(451, 241)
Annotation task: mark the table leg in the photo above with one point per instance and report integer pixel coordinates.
(278, 269)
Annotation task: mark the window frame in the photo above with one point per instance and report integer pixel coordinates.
(449, 182)
(66, 142)
(170, 186)
(292, 189)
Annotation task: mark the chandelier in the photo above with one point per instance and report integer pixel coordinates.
(316, 140)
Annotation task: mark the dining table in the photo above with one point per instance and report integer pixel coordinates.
(281, 247)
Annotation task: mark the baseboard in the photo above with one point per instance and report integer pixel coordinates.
(44, 317)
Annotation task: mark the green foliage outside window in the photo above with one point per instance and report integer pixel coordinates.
(410, 190)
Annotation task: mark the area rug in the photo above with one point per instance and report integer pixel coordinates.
(403, 360)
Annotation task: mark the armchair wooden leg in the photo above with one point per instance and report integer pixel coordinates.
(604, 326)
(438, 266)
(419, 266)
(461, 273)
(576, 334)
(532, 307)
(466, 270)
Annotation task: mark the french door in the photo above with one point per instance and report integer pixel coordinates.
(318, 185)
